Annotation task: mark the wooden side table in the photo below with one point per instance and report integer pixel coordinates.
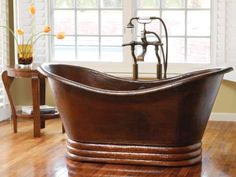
(38, 96)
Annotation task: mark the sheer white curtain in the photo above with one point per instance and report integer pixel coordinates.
(225, 49)
(230, 38)
(4, 57)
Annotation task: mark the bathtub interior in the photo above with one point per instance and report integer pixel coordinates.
(96, 79)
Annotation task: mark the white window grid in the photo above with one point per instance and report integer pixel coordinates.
(136, 9)
(186, 9)
(76, 35)
(146, 69)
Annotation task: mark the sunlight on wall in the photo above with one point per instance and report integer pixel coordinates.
(226, 99)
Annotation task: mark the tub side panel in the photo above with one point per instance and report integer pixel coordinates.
(173, 117)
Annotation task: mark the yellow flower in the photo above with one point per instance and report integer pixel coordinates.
(47, 29)
(60, 35)
(32, 9)
(20, 31)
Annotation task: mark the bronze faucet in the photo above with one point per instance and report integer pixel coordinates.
(144, 43)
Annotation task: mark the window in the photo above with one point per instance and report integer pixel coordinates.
(95, 31)
(188, 24)
(93, 28)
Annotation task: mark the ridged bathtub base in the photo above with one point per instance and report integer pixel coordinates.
(135, 155)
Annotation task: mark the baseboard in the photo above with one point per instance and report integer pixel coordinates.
(223, 117)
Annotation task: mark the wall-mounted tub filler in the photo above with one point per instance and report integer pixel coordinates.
(159, 50)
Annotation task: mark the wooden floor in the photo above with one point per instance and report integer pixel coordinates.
(21, 155)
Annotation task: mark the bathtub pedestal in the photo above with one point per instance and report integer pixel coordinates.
(136, 155)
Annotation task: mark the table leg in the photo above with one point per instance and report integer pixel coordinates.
(42, 97)
(7, 82)
(42, 91)
(36, 104)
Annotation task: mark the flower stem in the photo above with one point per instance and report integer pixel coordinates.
(39, 35)
(30, 42)
(11, 31)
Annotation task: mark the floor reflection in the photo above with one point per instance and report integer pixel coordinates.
(95, 169)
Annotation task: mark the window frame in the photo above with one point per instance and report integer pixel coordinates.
(124, 68)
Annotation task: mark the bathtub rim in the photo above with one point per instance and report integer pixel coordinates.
(176, 80)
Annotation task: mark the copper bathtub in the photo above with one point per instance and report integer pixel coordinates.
(113, 120)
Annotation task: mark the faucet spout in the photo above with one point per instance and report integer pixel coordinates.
(144, 45)
(142, 55)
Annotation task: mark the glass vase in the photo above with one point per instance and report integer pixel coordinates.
(25, 55)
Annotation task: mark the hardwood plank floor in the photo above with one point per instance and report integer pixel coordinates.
(21, 155)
